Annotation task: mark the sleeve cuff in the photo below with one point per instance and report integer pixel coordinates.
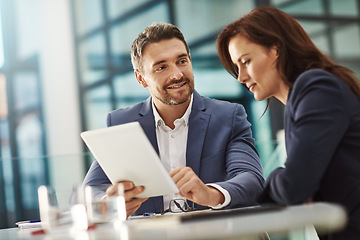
(224, 192)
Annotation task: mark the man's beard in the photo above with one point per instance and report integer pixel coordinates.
(169, 100)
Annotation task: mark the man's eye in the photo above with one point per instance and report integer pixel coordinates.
(183, 61)
(160, 68)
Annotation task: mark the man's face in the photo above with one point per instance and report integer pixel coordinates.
(167, 72)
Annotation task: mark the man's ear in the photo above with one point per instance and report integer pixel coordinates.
(140, 78)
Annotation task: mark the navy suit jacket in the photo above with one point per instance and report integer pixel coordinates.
(322, 135)
(220, 149)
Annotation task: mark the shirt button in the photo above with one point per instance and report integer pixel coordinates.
(172, 135)
(173, 166)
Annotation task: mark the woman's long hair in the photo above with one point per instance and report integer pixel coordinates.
(269, 26)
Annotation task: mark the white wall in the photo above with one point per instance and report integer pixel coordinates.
(44, 27)
(61, 100)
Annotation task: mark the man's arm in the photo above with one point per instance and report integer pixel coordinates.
(95, 176)
(232, 159)
(243, 166)
(191, 187)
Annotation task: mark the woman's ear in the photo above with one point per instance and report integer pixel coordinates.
(140, 78)
(273, 52)
(276, 50)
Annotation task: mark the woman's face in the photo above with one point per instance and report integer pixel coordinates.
(257, 68)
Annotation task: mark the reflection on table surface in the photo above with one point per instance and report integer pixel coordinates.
(63, 173)
(282, 224)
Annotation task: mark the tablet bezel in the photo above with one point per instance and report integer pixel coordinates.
(125, 154)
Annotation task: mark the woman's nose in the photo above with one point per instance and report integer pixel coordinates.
(242, 76)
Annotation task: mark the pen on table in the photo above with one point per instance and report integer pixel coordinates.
(29, 221)
(29, 224)
(149, 214)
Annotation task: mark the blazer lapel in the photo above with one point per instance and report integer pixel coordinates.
(198, 124)
(147, 121)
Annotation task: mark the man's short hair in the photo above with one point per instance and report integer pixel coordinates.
(156, 32)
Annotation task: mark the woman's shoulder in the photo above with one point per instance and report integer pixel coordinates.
(316, 76)
(317, 79)
(317, 84)
(314, 82)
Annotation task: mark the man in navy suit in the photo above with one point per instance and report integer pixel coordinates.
(205, 144)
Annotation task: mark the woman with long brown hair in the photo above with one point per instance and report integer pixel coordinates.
(269, 53)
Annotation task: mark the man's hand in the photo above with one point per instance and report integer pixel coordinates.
(130, 192)
(191, 187)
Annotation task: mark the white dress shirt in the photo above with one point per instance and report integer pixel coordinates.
(172, 149)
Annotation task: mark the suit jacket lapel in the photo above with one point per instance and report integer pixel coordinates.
(198, 124)
(147, 122)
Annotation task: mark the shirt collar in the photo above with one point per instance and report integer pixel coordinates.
(159, 121)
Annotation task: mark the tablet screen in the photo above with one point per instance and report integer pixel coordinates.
(125, 154)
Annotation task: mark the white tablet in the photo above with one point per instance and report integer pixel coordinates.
(125, 153)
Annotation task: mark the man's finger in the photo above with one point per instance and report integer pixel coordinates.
(113, 190)
(130, 194)
(128, 185)
(176, 171)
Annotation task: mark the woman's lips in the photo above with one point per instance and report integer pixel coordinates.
(251, 87)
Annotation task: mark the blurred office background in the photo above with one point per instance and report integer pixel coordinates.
(64, 64)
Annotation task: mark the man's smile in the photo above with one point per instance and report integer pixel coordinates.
(176, 85)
